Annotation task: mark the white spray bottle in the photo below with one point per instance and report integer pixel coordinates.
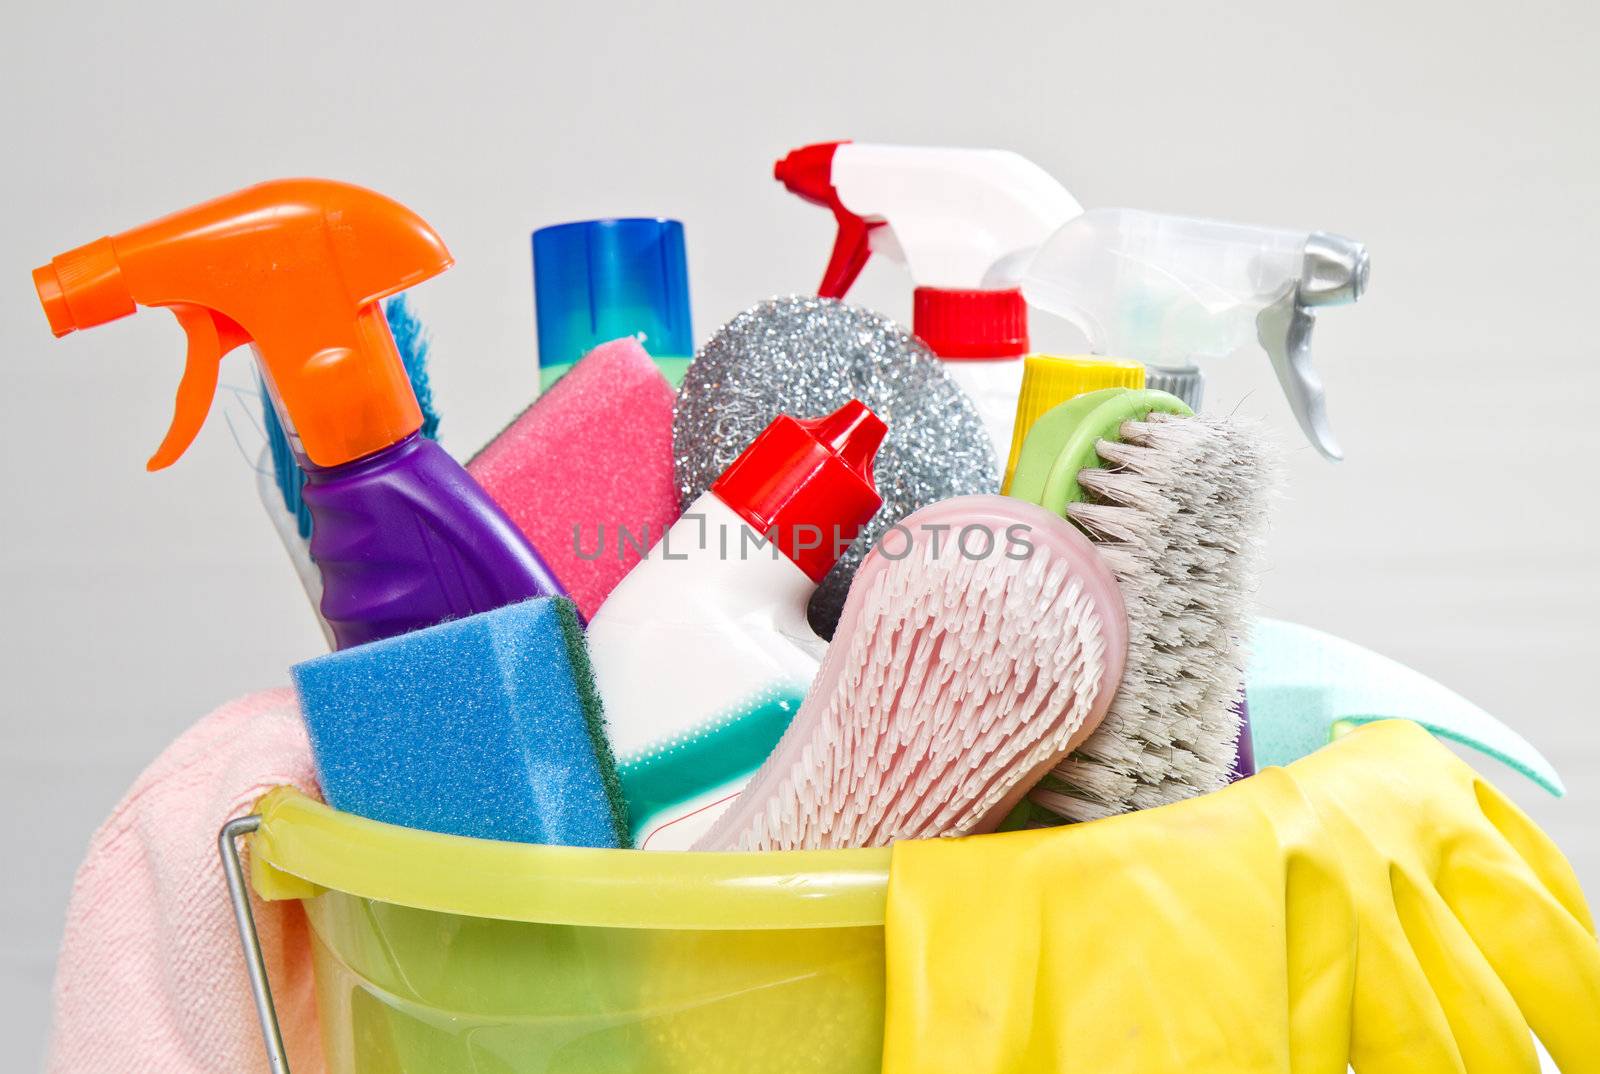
(963, 222)
(702, 654)
(1171, 291)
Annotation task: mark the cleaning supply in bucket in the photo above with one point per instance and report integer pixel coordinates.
(1472, 933)
(1376, 906)
(1244, 750)
(411, 343)
(149, 976)
(297, 268)
(810, 356)
(586, 471)
(298, 547)
(702, 653)
(1172, 291)
(1177, 504)
(281, 478)
(1209, 935)
(960, 220)
(1306, 686)
(1048, 380)
(599, 280)
(983, 639)
(488, 726)
(443, 955)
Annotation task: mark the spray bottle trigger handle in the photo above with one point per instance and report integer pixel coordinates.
(1284, 329)
(211, 335)
(850, 252)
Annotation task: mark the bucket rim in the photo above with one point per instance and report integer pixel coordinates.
(304, 849)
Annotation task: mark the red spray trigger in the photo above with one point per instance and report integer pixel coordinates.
(808, 172)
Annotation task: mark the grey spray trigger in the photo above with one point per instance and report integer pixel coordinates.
(1173, 291)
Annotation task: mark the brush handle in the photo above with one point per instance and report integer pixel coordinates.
(405, 538)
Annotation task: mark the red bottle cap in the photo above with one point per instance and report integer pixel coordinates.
(807, 485)
(971, 324)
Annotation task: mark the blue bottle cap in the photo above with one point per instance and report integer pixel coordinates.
(598, 280)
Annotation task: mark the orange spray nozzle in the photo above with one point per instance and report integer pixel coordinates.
(296, 267)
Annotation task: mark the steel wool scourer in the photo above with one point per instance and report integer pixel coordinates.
(809, 356)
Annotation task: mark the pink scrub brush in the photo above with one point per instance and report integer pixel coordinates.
(981, 641)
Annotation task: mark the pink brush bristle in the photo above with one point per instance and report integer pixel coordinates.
(954, 682)
(586, 471)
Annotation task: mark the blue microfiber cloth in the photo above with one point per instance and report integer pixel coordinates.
(488, 726)
(1304, 686)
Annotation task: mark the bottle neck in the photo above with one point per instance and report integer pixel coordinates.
(385, 457)
(352, 402)
(964, 325)
(713, 540)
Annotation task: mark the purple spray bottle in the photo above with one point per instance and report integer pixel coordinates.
(296, 268)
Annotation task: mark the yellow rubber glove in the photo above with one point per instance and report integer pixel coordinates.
(1377, 902)
(1471, 925)
(1208, 936)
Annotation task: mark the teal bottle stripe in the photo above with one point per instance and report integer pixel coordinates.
(734, 748)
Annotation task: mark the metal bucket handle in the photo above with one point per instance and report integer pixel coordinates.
(244, 916)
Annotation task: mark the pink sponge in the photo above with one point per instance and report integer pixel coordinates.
(586, 471)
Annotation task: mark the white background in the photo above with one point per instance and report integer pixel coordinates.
(1457, 139)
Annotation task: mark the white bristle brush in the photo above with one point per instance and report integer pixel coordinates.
(1177, 504)
(981, 640)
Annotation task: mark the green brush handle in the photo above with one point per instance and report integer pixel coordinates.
(1062, 442)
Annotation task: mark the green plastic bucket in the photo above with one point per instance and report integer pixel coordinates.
(436, 954)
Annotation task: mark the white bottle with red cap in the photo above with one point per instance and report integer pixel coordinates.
(702, 654)
(965, 222)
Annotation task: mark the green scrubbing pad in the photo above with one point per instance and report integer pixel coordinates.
(488, 726)
(594, 717)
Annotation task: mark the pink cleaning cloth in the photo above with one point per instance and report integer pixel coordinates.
(151, 976)
(586, 471)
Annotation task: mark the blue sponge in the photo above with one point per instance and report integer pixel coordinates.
(488, 726)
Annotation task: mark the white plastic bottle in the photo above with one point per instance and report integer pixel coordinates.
(702, 654)
(963, 222)
(982, 337)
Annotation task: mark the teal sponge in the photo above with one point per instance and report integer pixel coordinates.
(488, 726)
(1304, 686)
